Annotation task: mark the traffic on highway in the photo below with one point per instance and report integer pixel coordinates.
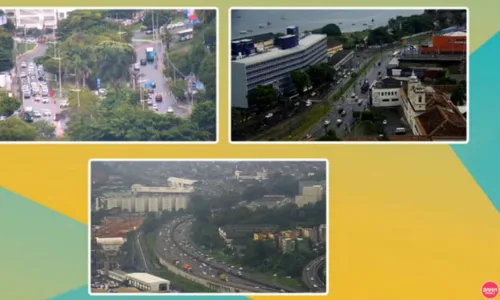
(174, 245)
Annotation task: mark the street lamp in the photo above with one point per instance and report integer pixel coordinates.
(140, 82)
(77, 91)
(60, 77)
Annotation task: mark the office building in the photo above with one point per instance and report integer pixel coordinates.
(273, 66)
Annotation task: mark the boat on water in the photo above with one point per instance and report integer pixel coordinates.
(364, 24)
(249, 30)
(268, 23)
(373, 20)
(340, 23)
(239, 17)
(353, 24)
(261, 26)
(243, 32)
(283, 18)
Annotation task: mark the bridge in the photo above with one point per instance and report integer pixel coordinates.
(310, 275)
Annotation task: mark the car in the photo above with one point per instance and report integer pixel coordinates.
(312, 278)
(339, 121)
(155, 107)
(47, 113)
(3, 118)
(137, 67)
(326, 122)
(170, 110)
(37, 114)
(103, 92)
(158, 98)
(153, 85)
(360, 101)
(151, 91)
(308, 103)
(64, 104)
(269, 116)
(45, 100)
(343, 113)
(38, 98)
(143, 62)
(22, 75)
(384, 122)
(150, 102)
(353, 95)
(23, 65)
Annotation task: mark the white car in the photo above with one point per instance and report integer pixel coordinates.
(47, 113)
(38, 98)
(37, 114)
(23, 64)
(23, 75)
(339, 121)
(384, 122)
(327, 122)
(353, 95)
(155, 107)
(308, 103)
(269, 116)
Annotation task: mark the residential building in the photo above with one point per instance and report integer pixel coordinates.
(287, 245)
(228, 233)
(153, 204)
(386, 93)
(167, 204)
(447, 43)
(181, 202)
(310, 194)
(273, 66)
(147, 282)
(287, 234)
(140, 204)
(36, 18)
(128, 203)
(243, 176)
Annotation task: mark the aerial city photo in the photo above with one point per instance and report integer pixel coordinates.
(107, 75)
(337, 75)
(208, 226)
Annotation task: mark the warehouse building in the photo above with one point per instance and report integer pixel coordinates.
(147, 282)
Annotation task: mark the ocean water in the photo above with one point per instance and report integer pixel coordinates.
(352, 20)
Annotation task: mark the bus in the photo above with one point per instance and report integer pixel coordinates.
(395, 53)
(150, 54)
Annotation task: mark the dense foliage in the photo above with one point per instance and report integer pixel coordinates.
(6, 46)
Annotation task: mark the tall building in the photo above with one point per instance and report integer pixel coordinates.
(153, 204)
(310, 194)
(167, 204)
(181, 202)
(322, 233)
(140, 204)
(128, 203)
(273, 66)
(36, 18)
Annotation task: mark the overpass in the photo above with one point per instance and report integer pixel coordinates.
(310, 275)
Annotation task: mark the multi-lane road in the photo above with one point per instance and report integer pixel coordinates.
(173, 247)
(310, 275)
(54, 105)
(174, 244)
(348, 104)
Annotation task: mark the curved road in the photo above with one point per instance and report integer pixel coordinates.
(310, 275)
(169, 249)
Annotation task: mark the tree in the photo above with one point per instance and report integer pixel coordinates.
(161, 18)
(208, 75)
(458, 95)
(178, 88)
(331, 135)
(300, 80)
(331, 30)
(262, 98)
(45, 129)
(115, 59)
(14, 129)
(6, 51)
(205, 117)
(8, 105)
(320, 74)
(253, 192)
(167, 38)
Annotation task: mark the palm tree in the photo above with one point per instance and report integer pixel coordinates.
(166, 39)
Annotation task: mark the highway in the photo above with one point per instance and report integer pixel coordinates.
(168, 245)
(348, 103)
(310, 275)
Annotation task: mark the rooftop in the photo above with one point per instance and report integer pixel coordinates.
(147, 278)
(388, 83)
(136, 188)
(274, 53)
(456, 33)
(338, 57)
(110, 241)
(182, 180)
(258, 38)
(189, 30)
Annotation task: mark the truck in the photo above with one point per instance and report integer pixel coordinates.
(186, 267)
(150, 54)
(223, 277)
(365, 87)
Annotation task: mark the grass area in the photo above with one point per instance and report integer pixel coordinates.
(364, 129)
(177, 281)
(24, 47)
(181, 47)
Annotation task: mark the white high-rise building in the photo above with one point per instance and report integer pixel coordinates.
(36, 17)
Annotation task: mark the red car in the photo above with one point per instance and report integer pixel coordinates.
(158, 98)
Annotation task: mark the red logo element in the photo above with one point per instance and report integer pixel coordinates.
(490, 290)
